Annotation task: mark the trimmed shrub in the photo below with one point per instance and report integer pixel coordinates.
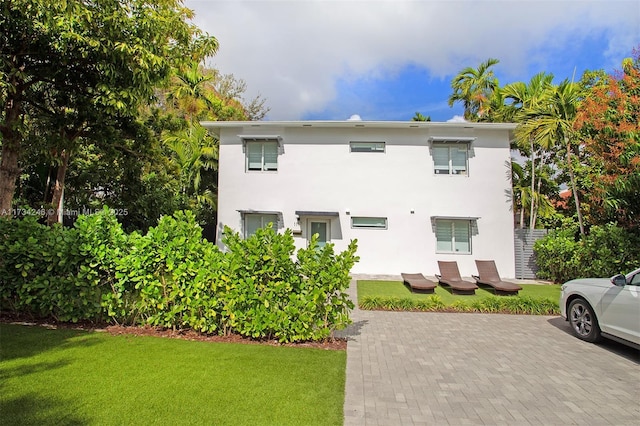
(491, 304)
(605, 251)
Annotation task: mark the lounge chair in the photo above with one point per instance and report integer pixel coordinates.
(418, 283)
(488, 275)
(450, 275)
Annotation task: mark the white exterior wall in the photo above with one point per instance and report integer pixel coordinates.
(317, 172)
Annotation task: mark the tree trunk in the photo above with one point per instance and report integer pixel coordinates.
(9, 170)
(55, 215)
(535, 212)
(9, 173)
(533, 181)
(574, 188)
(521, 212)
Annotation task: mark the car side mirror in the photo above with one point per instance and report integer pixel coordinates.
(619, 280)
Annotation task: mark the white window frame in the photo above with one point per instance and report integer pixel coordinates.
(367, 146)
(364, 225)
(452, 169)
(453, 224)
(265, 219)
(262, 143)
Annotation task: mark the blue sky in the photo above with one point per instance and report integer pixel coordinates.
(388, 59)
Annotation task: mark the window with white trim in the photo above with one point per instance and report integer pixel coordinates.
(369, 222)
(367, 147)
(254, 221)
(262, 155)
(450, 159)
(453, 236)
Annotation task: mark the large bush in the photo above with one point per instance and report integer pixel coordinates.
(56, 272)
(268, 294)
(607, 250)
(171, 277)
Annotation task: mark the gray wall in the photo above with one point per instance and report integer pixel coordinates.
(525, 259)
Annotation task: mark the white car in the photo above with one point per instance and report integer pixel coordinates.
(604, 307)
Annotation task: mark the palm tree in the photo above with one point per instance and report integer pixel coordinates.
(520, 99)
(194, 151)
(473, 87)
(191, 92)
(420, 117)
(550, 122)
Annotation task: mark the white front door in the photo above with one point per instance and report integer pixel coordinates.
(320, 227)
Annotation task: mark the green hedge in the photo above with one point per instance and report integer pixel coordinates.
(491, 304)
(607, 250)
(171, 277)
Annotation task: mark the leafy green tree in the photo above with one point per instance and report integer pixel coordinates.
(473, 87)
(85, 58)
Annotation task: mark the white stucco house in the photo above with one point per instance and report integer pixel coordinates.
(412, 193)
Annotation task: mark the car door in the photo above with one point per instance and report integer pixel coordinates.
(620, 315)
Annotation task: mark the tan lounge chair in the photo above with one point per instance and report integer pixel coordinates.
(418, 283)
(488, 275)
(450, 275)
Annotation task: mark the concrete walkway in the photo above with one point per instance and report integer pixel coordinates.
(421, 368)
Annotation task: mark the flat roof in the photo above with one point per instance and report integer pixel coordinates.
(215, 126)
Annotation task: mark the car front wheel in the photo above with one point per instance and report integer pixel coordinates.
(583, 321)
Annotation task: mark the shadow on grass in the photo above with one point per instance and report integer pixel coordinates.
(23, 341)
(34, 409)
(628, 352)
(21, 345)
(24, 370)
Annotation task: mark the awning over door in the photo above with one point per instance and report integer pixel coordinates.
(301, 213)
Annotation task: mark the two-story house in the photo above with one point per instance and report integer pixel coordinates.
(412, 193)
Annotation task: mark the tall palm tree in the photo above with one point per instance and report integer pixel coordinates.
(550, 122)
(473, 87)
(520, 99)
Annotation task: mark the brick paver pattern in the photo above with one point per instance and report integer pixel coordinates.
(429, 368)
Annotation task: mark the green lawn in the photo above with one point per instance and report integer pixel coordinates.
(398, 289)
(72, 377)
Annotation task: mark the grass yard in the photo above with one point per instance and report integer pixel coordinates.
(73, 377)
(398, 289)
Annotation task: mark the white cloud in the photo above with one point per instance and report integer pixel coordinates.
(292, 52)
(457, 119)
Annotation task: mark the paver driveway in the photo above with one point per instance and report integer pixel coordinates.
(417, 368)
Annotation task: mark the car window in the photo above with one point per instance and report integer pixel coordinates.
(635, 280)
